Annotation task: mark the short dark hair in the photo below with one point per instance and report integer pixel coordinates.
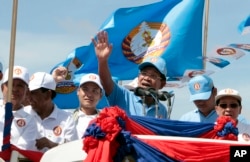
(53, 92)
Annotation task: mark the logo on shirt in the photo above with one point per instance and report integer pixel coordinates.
(57, 131)
(21, 122)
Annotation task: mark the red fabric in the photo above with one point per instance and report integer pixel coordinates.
(6, 140)
(103, 150)
(136, 128)
(5, 155)
(34, 156)
(219, 126)
(192, 151)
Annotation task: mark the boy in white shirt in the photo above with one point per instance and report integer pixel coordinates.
(89, 93)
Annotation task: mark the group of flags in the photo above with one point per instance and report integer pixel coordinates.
(171, 29)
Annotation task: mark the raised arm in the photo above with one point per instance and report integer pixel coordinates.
(103, 50)
(59, 74)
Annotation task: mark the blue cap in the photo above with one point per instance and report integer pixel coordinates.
(200, 87)
(157, 62)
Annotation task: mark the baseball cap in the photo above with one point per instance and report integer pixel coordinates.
(91, 77)
(157, 62)
(200, 87)
(228, 92)
(42, 80)
(19, 72)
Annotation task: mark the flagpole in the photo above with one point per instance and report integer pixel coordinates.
(12, 48)
(8, 105)
(204, 53)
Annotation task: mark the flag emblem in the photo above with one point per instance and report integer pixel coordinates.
(147, 39)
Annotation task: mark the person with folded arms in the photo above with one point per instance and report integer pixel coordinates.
(55, 126)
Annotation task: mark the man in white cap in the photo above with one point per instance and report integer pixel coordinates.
(89, 93)
(202, 93)
(152, 75)
(228, 103)
(23, 126)
(55, 126)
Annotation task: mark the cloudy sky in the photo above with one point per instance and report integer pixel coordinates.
(48, 30)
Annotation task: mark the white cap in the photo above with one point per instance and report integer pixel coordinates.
(91, 77)
(42, 80)
(228, 92)
(19, 72)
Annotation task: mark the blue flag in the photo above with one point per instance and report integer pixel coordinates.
(171, 29)
(244, 26)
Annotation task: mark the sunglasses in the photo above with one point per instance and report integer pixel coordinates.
(233, 105)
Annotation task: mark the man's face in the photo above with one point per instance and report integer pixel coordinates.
(228, 106)
(19, 92)
(150, 77)
(89, 94)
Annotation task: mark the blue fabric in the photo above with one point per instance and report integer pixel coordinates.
(147, 153)
(244, 24)
(7, 125)
(173, 127)
(179, 24)
(229, 128)
(132, 104)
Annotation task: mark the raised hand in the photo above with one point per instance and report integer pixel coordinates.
(60, 73)
(102, 46)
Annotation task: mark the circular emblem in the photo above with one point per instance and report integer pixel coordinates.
(197, 86)
(92, 77)
(18, 71)
(21, 122)
(226, 51)
(229, 91)
(147, 39)
(246, 136)
(57, 131)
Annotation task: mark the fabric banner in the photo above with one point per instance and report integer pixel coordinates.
(112, 136)
(171, 29)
